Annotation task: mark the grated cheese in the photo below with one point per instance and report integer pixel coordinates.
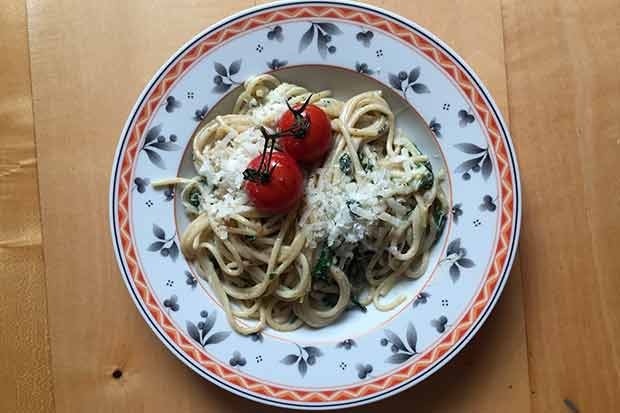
(346, 211)
(223, 167)
(343, 212)
(273, 107)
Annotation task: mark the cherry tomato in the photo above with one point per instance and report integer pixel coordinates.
(282, 190)
(317, 139)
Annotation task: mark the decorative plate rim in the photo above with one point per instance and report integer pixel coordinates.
(363, 397)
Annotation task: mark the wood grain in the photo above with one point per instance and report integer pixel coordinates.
(25, 371)
(89, 62)
(563, 59)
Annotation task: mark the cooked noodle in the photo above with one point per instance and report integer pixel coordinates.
(370, 215)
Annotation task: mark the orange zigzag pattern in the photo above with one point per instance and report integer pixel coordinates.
(467, 88)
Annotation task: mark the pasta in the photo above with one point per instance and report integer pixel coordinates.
(369, 217)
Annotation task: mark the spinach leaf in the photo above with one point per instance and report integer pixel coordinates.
(195, 198)
(439, 219)
(429, 178)
(321, 268)
(367, 165)
(345, 164)
(356, 303)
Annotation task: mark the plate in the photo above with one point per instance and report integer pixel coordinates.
(348, 48)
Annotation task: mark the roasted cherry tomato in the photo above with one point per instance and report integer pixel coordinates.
(278, 188)
(316, 139)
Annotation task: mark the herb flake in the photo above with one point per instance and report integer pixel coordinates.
(429, 178)
(323, 263)
(351, 202)
(195, 198)
(345, 164)
(356, 303)
(439, 219)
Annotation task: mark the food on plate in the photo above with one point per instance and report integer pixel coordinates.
(282, 185)
(305, 206)
(316, 138)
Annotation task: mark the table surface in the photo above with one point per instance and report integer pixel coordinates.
(70, 73)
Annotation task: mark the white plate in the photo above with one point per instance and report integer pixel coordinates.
(363, 357)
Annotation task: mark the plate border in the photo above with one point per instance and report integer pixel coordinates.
(481, 317)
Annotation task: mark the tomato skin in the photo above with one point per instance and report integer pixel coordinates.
(284, 188)
(317, 140)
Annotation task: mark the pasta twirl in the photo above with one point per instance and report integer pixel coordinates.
(369, 217)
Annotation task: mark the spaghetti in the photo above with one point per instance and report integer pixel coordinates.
(369, 217)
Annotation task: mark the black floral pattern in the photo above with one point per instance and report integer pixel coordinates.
(201, 114)
(421, 298)
(364, 37)
(141, 183)
(310, 358)
(363, 68)
(257, 337)
(457, 211)
(167, 247)
(190, 279)
(276, 64)
(169, 193)
(199, 332)
(154, 142)
(401, 352)
(223, 79)
(465, 118)
(324, 32)
(363, 370)
(237, 359)
(172, 103)
(440, 323)
(347, 344)
(435, 127)
(488, 204)
(481, 162)
(275, 34)
(404, 81)
(172, 303)
(457, 256)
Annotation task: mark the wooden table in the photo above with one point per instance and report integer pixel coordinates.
(69, 75)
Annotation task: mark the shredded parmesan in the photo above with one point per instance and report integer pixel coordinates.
(223, 167)
(341, 212)
(347, 211)
(272, 109)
